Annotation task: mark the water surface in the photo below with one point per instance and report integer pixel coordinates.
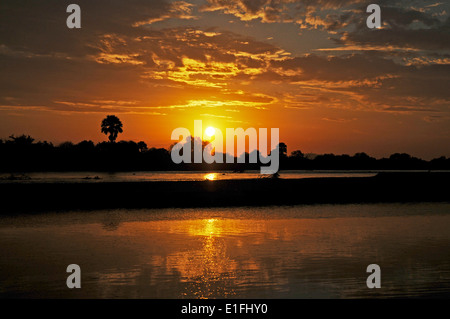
(98, 177)
(319, 251)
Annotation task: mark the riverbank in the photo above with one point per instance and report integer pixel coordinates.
(384, 187)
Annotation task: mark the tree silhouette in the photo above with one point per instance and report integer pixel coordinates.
(23, 140)
(113, 126)
(283, 149)
(142, 146)
(297, 154)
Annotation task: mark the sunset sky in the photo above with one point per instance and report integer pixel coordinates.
(311, 68)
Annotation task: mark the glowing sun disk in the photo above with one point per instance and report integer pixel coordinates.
(210, 131)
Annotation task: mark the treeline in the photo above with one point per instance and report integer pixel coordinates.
(24, 154)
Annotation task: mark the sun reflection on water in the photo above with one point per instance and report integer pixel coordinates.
(211, 177)
(208, 272)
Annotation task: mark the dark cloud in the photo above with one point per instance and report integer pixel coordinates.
(339, 68)
(117, 56)
(370, 81)
(407, 24)
(434, 38)
(53, 67)
(40, 26)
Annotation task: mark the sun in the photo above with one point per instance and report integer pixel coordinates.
(210, 131)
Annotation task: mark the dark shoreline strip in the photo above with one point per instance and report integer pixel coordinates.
(385, 187)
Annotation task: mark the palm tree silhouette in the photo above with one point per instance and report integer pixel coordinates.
(113, 126)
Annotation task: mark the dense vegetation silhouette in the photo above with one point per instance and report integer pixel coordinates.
(22, 154)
